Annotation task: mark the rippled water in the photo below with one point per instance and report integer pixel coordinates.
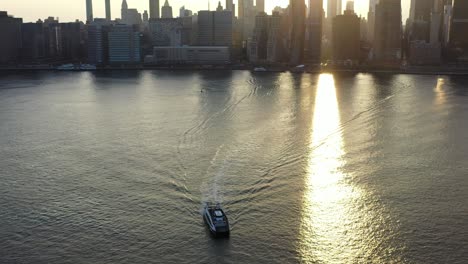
(114, 167)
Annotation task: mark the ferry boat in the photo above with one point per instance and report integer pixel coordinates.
(216, 220)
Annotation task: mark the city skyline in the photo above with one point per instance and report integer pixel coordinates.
(76, 9)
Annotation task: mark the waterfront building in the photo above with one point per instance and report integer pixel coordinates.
(108, 10)
(419, 21)
(10, 33)
(215, 28)
(424, 53)
(447, 22)
(188, 30)
(387, 32)
(89, 11)
(166, 32)
(166, 10)
(274, 38)
(423, 32)
(52, 36)
(346, 37)
(257, 49)
(71, 42)
(33, 42)
(124, 44)
(98, 45)
(192, 55)
(436, 22)
(154, 9)
(314, 43)
(459, 29)
(297, 39)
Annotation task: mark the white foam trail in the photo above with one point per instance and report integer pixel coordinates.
(212, 189)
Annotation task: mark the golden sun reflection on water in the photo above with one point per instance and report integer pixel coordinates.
(440, 96)
(327, 221)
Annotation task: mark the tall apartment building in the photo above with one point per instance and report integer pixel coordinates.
(387, 34)
(346, 37)
(298, 16)
(124, 45)
(215, 28)
(10, 33)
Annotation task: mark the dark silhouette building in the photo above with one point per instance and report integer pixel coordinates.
(346, 37)
(258, 44)
(215, 28)
(459, 29)
(298, 14)
(387, 32)
(71, 42)
(10, 34)
(314, 44)
(33, 39)
(419, 22)
(98, 42)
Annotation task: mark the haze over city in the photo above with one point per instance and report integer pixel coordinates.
(70, 10)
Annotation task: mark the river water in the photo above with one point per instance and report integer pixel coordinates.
(114, 167)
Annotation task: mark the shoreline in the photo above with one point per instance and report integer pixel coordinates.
(412, 71)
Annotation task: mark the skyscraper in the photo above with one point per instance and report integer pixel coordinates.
(371, 20)
(387, 32)
(214, 28)
(246, 17)
(258, 45)
(333, 8)
(124, 11)
(298, 13)
(314, 45)
(419, 20)
(260, 6)
(346, 37)
(108, 10)
(89, 11)
(220, 7)
(350, 5)
(459, 28)
(10, 33)
(229, 5)
(447, 20)
(124, 45)
(166, 10)
(154, 9)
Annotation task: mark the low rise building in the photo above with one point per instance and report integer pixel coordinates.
(194, 55)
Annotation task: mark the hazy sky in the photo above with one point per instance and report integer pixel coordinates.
(69, 10)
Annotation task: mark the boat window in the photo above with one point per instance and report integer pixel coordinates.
(218, 213)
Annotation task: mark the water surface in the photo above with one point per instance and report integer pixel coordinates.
(113, 167)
